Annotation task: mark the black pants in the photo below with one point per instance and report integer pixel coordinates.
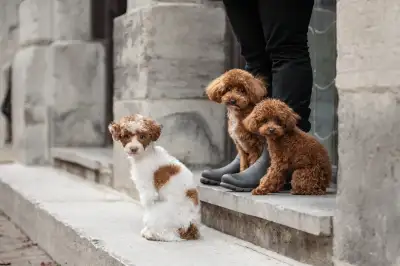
(273, 40)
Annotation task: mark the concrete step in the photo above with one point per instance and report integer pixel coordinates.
(85, 224)
(299, 227)
(94, 164)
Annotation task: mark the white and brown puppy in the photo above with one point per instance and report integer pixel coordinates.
(166, 186)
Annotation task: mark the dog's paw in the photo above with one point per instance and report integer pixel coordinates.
(259, 191)
(147, 234)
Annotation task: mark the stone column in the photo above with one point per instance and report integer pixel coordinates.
(59, 78)
(366, 227)
(165, 55)
(9, 31)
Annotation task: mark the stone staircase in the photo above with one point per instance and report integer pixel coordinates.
(297, 227)
(81, 223)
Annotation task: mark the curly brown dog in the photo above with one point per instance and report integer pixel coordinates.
(240, 91)
(290, 149)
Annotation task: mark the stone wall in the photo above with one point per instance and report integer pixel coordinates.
(58, 80)
(9, 32)
(165, 55)
(367, 220)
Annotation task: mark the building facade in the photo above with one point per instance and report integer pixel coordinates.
(73, 66)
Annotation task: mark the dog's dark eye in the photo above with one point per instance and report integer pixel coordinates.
(241, 90)
(141, 136)
(278, 121)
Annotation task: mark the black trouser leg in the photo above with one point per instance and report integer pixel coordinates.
(273, 40)
(246, 24)
(285, 25)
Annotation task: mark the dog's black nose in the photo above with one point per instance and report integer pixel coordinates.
(271, 130)
(134, 150)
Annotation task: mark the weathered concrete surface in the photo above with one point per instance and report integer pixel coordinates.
(36, 23)
(17, 249)
(72, 20)
(164, 57)
(29, 111)
(367, 218)
(79, 223)
(309, 214)
(299, 245)
(94, 164)
(299, 227)
(9, 30)
(166, 51)
(5, 76)
(76, 94)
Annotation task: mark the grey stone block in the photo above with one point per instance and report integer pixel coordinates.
(76, 94)
(168, 51)
(192, 131)
(367, 219)
(9, 27)
(30, 131)
(35, 21)
(299, 245)
(72, 20)
(5, 75)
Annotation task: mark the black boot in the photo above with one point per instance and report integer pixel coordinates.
(213, 176)
(250, 178)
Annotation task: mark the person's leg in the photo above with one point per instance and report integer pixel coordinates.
(285, 24)
(243, 16)
(247, 27)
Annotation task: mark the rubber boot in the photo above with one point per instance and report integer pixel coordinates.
(250, 178)
(213, 176)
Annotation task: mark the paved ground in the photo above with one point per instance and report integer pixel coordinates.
(16, 249)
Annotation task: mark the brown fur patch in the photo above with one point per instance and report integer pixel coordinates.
(164, 173)
(290, 149)
(191, 233)
(193, 195)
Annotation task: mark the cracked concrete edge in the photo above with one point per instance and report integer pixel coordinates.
(303, 221)
(63, 243)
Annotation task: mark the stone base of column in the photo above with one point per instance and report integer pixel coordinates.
(58, 98)
(165, 55)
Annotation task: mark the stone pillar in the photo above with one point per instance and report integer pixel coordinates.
(5, 75)
(165, 55)
(366, 226)
(59, 76)
(9, 32)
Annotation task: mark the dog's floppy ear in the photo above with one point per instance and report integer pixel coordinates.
(115, 131)
(250, 123)
(154, 129)
(291, 119)
(256, 89)
(216, 89)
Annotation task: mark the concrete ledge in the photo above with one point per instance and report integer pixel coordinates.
(91, 158)
(80, 223)
(310, 214)
(94, 164)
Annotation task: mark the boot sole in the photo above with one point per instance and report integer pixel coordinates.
(209, 182)
(234, 188)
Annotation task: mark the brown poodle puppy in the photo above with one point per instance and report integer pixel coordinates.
(240, 91)
(290, 149)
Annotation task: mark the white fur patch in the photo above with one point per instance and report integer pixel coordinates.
(134, 126)
(168, 209)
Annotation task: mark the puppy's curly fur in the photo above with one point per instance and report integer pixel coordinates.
(290, 149)
(240, 91)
